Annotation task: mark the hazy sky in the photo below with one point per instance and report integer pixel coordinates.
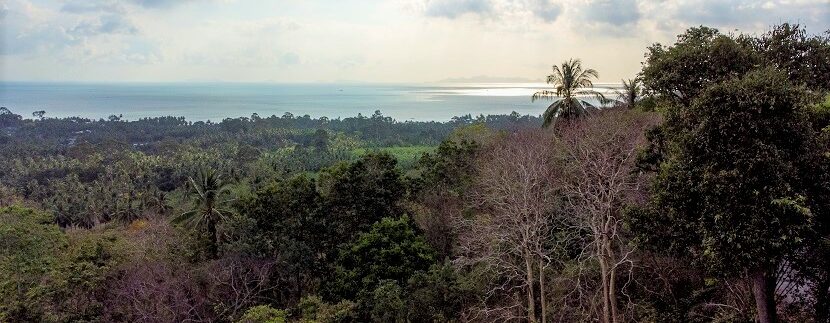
(360, 40)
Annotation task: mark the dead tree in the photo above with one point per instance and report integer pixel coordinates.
(599, 179)
(510, 234)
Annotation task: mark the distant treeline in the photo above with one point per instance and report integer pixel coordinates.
(376, 130)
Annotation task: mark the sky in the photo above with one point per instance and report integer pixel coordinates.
(397, 41)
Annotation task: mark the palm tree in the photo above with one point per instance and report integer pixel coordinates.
(630, 94)
(158, 202)
(571, 82)
(209, 209)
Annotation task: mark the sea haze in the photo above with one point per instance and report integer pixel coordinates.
(216, 101)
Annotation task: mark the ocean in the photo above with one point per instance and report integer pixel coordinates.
(216, 101)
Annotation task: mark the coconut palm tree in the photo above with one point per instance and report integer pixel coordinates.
(571, 82)
(209, 208)
(630, 94)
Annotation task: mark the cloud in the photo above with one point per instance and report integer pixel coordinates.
(157, 3)
(399, 40)
(81, 7)
(751, 14)
(547, 11)
(455, 8)
(87, 6)
(290, 59)
(495, 10)
(108, 24)
(70, 33)
(613, 12)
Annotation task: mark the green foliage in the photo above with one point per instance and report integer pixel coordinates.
(439, 294)
(30, 244)
(48, 275)
(820, 115)
(210, 205)
(391, 250)
(439, 190)
(289, 224)
(407, 156)
(314, 310)
(731, 192)
(263, 314)
(9, 119)
(359, 194)
(450, 166)
(74, 288)
(286, 213)
(805, 58)
(387, 303)
(630, 95)
(701, 57)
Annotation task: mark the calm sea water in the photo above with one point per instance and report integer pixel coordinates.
(215, 101)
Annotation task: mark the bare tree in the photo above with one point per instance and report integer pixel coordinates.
(599, 179)
(511, 234)
(238, 283)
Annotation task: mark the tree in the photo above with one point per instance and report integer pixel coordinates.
(732, 191)
(445, 177)
(313, 309)
(511, 232)
(39, 114)
(701, 57)
(30, 244)
(8, 118)
(263, 314)
(358, 194)
(388, 303)
(571, 82)
(599, 180)
(805, 58)
(290, 226)
(75, 288)
(208, 191)
(630, 94)
(438, 295)
(392, 250)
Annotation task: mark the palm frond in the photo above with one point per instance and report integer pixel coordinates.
(591, 93)
(545, 94)
(186, 216)
(551, 113)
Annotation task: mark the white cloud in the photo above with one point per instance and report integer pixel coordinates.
(456, 8)
(409, 40)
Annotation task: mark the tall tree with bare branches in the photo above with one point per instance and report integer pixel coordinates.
(599, 179)
(514, 195)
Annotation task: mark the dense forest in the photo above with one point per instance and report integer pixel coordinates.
(700, 194)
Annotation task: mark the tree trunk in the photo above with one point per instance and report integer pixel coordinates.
(531, 306)
(542, 290)
(763, 287)
(213, 249)
(603, 265)
(612, 283)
